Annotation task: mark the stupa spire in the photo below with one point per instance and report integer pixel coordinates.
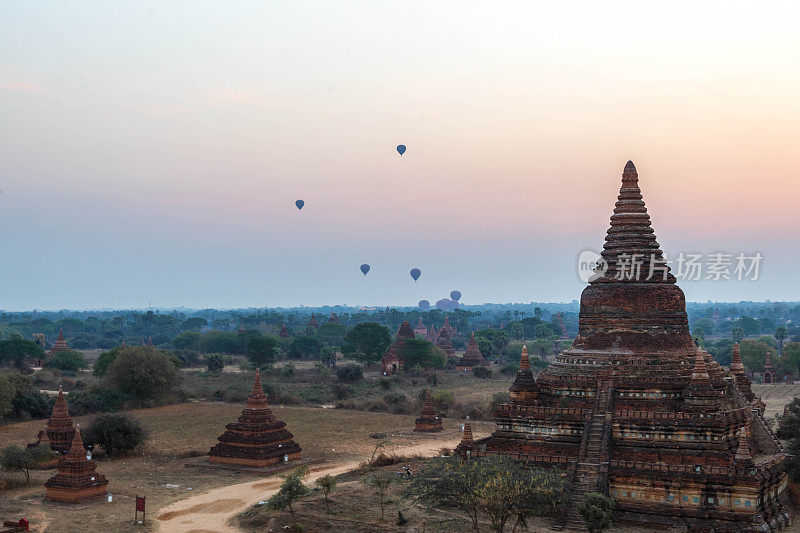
(700, 370)
(466, 437)
(743, 454)
(429, 420)
(524, 360)
(737, 366)
(257, 398)
(630, 240)
(59, 429)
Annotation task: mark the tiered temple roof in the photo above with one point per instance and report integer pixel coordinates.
(443, 339)
(635, 410)
(473, 356)
(76, 480)
(392, 360)
(420, 328)
(257, 439)
(60, 430)
(429, 420)
(60, 344)
(312, 322)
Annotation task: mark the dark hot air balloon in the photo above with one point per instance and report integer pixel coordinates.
(365, 268)
(401, 149)
(299, 204)
(415, 273)
(455, 295)
(424, 305)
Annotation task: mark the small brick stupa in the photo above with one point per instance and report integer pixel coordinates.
(60, 344)
(473, 356)
(60, 430)
(420, 328)
(391, 361)
(257, 439)
(443, 340)
(431, 336)
(312, 322)
(429, 420)
(467, 446)
(76, 480)
(769, 371)
(284, 332)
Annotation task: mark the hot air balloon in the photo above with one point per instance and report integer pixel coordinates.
(401, 149)
(299, 204)
(415, 273)
(455, 295)
(365, 268)
(424, 305)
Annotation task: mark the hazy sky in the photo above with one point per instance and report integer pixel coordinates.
(153, 151)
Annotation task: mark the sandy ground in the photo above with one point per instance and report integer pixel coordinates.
(212, 511)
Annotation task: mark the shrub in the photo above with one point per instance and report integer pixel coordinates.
(481, 372)
(215, 362)
(509, 369)
(16, 459)
(350, 374)
(66, 361)
(442, 399)
(287, 370)
(97, 400)
(143, 372)
(7, 393)
(423, 353)
(596, 511)
(104, 359)
(188, 340)
(367, 342)
(386, 384)
(115, 433)
(341, 391)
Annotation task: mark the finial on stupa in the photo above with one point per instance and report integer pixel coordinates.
(524, 360)
(743, 449)
(736, 360)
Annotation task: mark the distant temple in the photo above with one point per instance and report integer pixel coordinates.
(473, 356)
(60, 344)
(432, 334)
(467, 446)
(284, 332)
(76, 480)
(637, 411)
(392, 360)
(312, 322)
(420, 328)
(333, 318)
(769, 373)
(257, 439)
(443, 340)
(428, 421)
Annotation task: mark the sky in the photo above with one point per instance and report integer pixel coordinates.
(151, 152)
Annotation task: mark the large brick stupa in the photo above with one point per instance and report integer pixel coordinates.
(77, 480)
(257, 439)
(634, 409)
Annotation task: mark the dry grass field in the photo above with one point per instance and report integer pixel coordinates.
(175, 432)
(776, 396)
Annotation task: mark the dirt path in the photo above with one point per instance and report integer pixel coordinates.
(208, 512)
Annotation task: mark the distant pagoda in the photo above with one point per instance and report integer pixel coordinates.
(473, 356)
(467, 446)
(333, 319)
(769, 371)
(257, 439)
(60, 345)
(432, 334)
(428, 421)
(443, 339)
(59, 428)
(284, 332)
(635, 410)
(76, 480)
(420, 328)
(312, 322)
(392, 360)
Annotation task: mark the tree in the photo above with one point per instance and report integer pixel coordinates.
(261, 350)
(754, 354)
(327, 356)
(304, 347)
(790, 358)
(66, 360)
(195, 323)
(780, 336)
(423, 353)
(16, 349)
(292, 490)
(750, 326)
(16, 459)
(188, 340)
(103, 360)
(220, 342)
(143, 372)
(596, 511)
(215, 362)
(481, 372)
(789, 421)
(332, 334)
(115, 433)
(737, 334)
(327, 483)
(380, 482)
(7, 394)
(496, 487)
(491, 342)
(368, 342)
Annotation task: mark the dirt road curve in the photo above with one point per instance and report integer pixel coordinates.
(208, 512)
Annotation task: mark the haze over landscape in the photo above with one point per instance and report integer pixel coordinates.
(152, 153)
